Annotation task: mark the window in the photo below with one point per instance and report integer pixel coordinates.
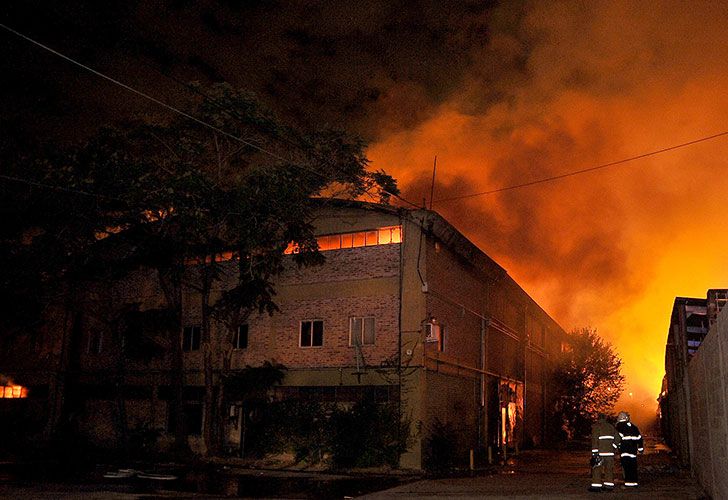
(240, 338)
(372, 238)
(312, 333)
(191, 416)
(361, 331)
(381, 236)
(191, 338)
(13, 391)
(359, 239)
(435, 333)
(332, 242)
(95, 342)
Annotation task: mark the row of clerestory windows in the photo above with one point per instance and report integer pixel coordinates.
(382, 236)
(388, 235)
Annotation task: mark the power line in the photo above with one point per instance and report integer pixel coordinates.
(235, 115)
(57, 188)
(174, 109)
(590, 169)
(142, 94)
(278, 157)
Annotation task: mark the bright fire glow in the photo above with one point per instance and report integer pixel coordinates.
(13, 392)
(381, 236)
(612, 248)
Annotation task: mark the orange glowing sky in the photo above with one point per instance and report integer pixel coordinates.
(502, 93)
(612, 248)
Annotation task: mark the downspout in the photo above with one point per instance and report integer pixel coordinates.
(486, 324)
(483, 413)
(688, 417)
(686, 393)
(525, 389)
(399, 330)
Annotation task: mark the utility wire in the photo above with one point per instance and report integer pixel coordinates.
(57, 188)
(590, 169)
(172, 108)
(237, 116)
(142, 94)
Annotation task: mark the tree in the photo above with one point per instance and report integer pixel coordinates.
(587, 381)
(172, 197)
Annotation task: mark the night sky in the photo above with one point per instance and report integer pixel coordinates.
(501, 93)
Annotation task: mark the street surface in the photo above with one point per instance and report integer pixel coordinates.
(546, 474)
(534, 474)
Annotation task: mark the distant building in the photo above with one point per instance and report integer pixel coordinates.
(690, 322)
(715, 302)
(404, 309)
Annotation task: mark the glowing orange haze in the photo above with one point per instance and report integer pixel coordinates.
(609, 249)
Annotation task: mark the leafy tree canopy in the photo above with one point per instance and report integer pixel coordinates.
(588, 381)
(157, 194)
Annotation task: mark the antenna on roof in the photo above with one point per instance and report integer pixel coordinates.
(432, 187)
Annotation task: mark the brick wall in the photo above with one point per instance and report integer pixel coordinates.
(459, 292)
(278, 337)
(345, 265)
(351, 283)
(708, 388)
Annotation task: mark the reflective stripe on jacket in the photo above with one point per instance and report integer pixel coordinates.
(631, 440)
(605, 439)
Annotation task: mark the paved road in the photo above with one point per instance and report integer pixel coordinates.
(535, 474)
(557, 475)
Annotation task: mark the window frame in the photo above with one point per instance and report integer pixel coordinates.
(95, 342)
(362, 330)
(192, 329)
(236, 337)
(311, 334)
(435, 334)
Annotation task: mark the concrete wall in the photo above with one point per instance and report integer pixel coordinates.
(708, 424)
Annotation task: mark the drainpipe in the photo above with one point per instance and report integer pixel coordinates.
(482, 434)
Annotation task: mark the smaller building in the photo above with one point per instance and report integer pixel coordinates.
(690, 322)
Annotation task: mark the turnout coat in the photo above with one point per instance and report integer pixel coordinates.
(631, 441)
(605, 439)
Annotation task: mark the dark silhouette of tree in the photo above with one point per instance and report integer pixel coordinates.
(587, 381)
(171, 198)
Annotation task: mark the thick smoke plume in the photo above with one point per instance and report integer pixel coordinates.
(597, 82)
(501, 93)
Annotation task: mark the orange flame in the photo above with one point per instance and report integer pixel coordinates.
(13, 392)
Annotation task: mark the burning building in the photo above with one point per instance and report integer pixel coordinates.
(405, 309)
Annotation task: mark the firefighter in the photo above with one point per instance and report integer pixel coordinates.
(605, 442)
(631, 443)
